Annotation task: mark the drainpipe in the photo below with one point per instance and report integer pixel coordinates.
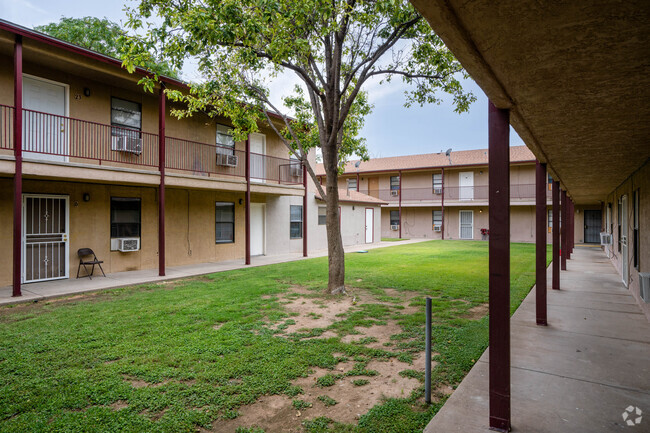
(499, 267)
(18, 154)
(304, 211)
(556, 235)
(248, 201)
(400, 204)
(161, 188)
(443, 204)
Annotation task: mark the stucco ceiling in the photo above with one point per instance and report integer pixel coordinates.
(576, 76)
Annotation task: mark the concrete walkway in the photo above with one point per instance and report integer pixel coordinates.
(578, 374)
(49, 289)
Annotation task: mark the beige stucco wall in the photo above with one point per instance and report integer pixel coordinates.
(640, 181)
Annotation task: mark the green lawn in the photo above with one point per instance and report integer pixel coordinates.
(394, 239)
(70, 365)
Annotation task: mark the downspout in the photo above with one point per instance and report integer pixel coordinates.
(400, 204)
(161, 188)
(18, 154)
(248, 201)
(443, 204)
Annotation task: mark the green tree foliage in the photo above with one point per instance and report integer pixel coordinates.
(100, 35)
(334, 47)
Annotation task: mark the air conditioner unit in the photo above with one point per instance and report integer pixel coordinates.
(124, 143)
(605, 238)
(295, 170)
(128, 244)
(394, 192)
(437, 228)
(394, 227)
(227, 160)
(644, 286)
(437, 190)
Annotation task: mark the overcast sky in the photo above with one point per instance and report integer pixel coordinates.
(390, 130)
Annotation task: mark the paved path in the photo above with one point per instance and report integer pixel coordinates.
(49, 289)
(579, 373)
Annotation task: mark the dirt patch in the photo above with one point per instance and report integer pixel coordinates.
(477, 312)
(217, 326)
(138, 383)
(277, 414)
(380, 333)
(118, 405)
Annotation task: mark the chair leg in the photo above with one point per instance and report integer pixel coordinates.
(78, 268)
(92, 272)
(102, 269)
(87, 273)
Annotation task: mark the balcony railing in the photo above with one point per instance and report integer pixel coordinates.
(451, 193)
(52, 137)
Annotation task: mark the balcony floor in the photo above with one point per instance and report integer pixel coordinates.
(578, 374)
(34, 292)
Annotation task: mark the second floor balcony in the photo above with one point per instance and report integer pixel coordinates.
(59, 139)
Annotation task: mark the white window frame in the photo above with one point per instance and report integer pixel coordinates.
(322, 208)
(224, 148)
(352, 184)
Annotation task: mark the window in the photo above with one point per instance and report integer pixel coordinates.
(322, 215)
(225, 141)
(550, 220)
(437, 182)
(636, 240)
(295, 227)
(224, 222)
(437, 218)
(394, 183)
(352, 184)
(125, 217)
(394, 217)
(126, 114)
(550, 182)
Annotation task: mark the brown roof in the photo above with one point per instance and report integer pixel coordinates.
(431, 160)
(354, 197)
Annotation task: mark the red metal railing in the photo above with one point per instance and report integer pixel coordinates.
(201, 159)
(64, 138)
(6, 127)
(452, 193)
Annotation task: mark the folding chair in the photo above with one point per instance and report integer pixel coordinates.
(86, 252)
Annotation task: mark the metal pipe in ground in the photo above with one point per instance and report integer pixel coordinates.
(427, 361)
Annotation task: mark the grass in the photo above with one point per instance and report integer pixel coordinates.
(394, 239)
(175, 357)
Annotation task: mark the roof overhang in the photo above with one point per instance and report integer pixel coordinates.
(574, 75)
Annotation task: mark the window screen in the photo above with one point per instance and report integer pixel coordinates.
(224, 222)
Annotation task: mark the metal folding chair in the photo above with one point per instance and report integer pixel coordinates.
(86, 252)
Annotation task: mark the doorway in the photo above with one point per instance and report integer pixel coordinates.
(258, 229)
(466, 183)
(258, 160)
(466, 224)
(593, 224)
(623, 234)
(370, 225)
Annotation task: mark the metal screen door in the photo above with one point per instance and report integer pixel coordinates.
(592, 226)
(466, 224)
(45, 237)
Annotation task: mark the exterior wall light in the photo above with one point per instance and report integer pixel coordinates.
(86, 196)
(86, 92)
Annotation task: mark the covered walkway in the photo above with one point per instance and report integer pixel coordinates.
(577, 374)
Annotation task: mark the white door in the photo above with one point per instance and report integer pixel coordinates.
(624, 255)
(258, 160)
(257, 229)
(45, 237)
(45, 127)
(370, 225)
(466, 224)
(466, 183)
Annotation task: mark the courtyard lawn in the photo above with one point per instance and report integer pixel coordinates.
(203, 353)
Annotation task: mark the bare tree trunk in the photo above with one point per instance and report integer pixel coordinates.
(336, 254)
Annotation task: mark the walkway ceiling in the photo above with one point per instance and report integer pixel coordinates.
(576, 76)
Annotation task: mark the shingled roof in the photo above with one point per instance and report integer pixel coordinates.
(431, 160)
(355, 197)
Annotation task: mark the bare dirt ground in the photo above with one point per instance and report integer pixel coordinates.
(310, 310)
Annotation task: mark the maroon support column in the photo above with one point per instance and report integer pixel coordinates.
(18, 154)
(248, 201)
(540, 243)
(499, 265)
(400, 205)
(442, 210)
(564, 231)
(357, 182)
(572, 238)
(304, 211)
(556, 235)
(161, 188)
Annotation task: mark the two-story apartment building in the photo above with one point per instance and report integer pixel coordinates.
(445, 195)
(94, 161)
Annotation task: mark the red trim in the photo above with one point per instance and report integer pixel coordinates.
(18, 176)
(161, 189)
(248, 201)
(373, 224)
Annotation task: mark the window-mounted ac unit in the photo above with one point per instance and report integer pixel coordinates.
(128, 244)
(394, 227)
(227, 160)
(437, 228)
(394, 192)
(605, 238)
(124, 143)
(295, 170)
(437, 190)
(644, 286)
